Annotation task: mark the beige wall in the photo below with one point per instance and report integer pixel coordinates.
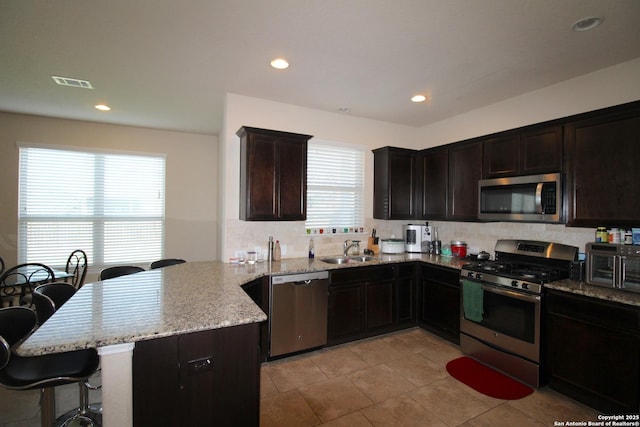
(191, 176)
(607, 87)
(336, 127)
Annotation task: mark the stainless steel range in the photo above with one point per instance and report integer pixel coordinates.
(500, 315)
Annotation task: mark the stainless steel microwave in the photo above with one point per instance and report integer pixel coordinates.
(532, 198)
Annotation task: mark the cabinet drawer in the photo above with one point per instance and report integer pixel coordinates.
(447, 276)
(360, 274)
(597, 312)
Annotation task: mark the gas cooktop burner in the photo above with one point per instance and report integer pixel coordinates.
(515, 270)
(523, 264)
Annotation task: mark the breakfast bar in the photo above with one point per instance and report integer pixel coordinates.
(115, 314)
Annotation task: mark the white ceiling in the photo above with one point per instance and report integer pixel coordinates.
(167, 63)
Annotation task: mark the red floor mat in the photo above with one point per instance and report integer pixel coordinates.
(485, 380)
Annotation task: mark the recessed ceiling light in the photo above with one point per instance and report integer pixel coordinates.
(418, 98)
(279, 64)
(344, 110)
(586, 24)
(102, 107)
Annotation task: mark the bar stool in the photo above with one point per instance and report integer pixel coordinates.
(166, 262)
(43, 372)
(119, 270)
(77, 265)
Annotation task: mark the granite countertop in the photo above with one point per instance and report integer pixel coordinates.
(608, 294)
(179, 299)
(197, 296)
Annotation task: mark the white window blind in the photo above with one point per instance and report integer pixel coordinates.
(335, 186)
(111, 205)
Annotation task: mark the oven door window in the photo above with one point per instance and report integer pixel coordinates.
(602, 269)
(509, 316)
(631, 279)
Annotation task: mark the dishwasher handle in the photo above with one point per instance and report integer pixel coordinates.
(299, 277)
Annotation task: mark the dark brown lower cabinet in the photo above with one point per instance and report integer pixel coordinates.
(593, 351)
(439, 301)
(406, 293)
(363, 302)
(208, 378)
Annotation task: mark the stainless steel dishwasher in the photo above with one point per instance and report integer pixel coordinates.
(298, 312)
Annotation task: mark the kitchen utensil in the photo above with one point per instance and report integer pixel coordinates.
(392, 246)
(458, 248)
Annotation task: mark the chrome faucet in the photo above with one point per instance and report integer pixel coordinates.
(346, 246)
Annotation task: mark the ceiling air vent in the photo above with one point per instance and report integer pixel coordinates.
(68, 81)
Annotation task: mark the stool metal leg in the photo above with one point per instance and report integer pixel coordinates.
(47, 406)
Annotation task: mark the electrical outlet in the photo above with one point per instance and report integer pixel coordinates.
(199, 366)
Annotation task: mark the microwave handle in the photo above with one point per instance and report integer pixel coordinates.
(539, 200)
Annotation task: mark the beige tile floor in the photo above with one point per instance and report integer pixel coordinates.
(393, 380)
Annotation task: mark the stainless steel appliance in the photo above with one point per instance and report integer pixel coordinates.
(532, 198)
(298, 312)
(417, 238)
(500, 316)
(614, 266)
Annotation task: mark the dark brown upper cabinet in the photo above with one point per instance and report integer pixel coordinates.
(465, 170)
(449, 181)
(394, 183)
(602, 173)
(433, 166)
(533, 150)
(273, 175)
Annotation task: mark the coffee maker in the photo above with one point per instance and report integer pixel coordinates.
(417, 238)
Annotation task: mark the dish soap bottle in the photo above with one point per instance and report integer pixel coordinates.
(312, 252)
(276, 251)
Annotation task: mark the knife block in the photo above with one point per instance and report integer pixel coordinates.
(372, 245)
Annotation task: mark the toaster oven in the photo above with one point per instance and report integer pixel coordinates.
(613, 266)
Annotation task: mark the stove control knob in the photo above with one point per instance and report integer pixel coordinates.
(514, 283)
(479, 276)
(525, 286)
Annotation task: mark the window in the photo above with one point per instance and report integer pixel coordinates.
(335, 186)
(111, 205)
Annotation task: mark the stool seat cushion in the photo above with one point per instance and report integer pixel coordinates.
(49, 370)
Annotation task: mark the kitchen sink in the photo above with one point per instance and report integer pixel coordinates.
(340, 259)
(361, 258)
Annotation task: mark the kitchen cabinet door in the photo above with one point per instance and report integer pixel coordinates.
(156, 380)
(465, 170)
(593, 351)
(541, 150)
(439, 299)
(199, 379)
(380, 301)
(394, 183)
(434, 182)
(346, 313)
(362, 303)
(602, 168)
(528, 151)
(273, 175)
(406, 294)
(501, 156)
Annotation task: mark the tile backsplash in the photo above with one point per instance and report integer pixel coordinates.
(247, 235)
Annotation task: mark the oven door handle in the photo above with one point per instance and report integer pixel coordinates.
(511, 294)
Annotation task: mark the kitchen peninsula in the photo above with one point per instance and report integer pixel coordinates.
(191, 298)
